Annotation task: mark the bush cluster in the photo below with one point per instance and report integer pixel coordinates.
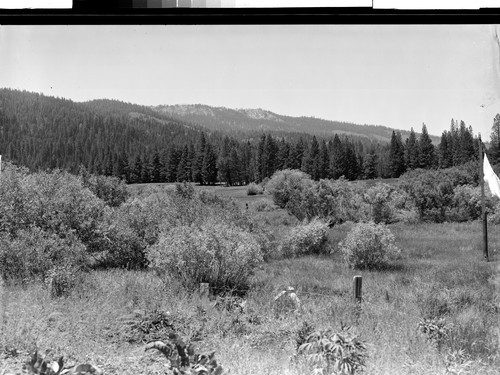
(305, 238)
(254, 189)
(32, 253)
(369, 246)
(421, 195)
(55, 219)
(220, 254)
(445, 195)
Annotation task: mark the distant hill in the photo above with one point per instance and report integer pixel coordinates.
(42, 132)
(260, 120)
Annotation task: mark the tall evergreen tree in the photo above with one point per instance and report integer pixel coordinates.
(283, 155)
(183, 168)
(136, 170)
(352, 163)
(338, 158)
(174, 157)
(494, 150)
(268, 166)
(146, 168)
(426, 152)
(396, 155)
(324, 160)
(224, 163)
(412, 150)
(370, 165)
(209, 167)
(297, 153)
(310, 162)
(156, 167)
(198, 160)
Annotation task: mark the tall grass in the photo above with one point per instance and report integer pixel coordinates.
(441, 275)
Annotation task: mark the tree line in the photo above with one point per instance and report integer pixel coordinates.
(139, 145)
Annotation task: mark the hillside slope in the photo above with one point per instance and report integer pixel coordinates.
(260, 120)
(42, 132)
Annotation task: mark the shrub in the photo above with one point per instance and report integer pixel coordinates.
(263, 205)
(494, 216)
(379, 197)
(120, 244)
(219, 254)
(369, 246)
(434, 192)
(30, 254)
(286, 184)
(254, 189)
(111, 190)
(466, 203)
(184, 189)
(331, 352)
(305, 238)
(61, 280)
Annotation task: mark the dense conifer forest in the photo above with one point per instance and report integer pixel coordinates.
(141, 145)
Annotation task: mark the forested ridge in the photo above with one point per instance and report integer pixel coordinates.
(139, 144)
(248, 121)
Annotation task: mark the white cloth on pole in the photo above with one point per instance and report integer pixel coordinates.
(491, 178)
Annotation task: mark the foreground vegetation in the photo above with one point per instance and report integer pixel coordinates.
(110, 314)
(95, 273)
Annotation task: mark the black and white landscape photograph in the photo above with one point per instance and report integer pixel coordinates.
(250, 199)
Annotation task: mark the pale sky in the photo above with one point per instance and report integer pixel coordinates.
(397, 76)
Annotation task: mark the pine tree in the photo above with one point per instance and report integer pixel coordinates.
(426, 152)
(494, 150)
(283, 155)
(337, 158)
(352, 163)
(182, 167)
(209, 167)
(370, 165)
(174, 156)
(310, 162)
(445, 149)
(412, 149)
(296, 154)
(224, 165)
(146, 168)
(156, 167)
(268, 163)
(396, 155)
(324, 160)
(137, 170)
(198, 160)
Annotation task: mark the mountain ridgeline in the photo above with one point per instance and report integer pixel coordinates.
(209, 145)
(250, 121)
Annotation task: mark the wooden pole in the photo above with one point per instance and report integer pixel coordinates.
(357, 282)
(483, 204)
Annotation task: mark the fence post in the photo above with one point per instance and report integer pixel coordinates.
(357, 283)
(204, 290)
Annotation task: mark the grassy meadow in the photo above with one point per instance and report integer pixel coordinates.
(111, 314)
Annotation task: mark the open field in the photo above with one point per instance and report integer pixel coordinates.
(238, 193)
(441, 274)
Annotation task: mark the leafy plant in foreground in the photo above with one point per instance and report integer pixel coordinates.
(183, 359)
(339, 353)
(40, 365)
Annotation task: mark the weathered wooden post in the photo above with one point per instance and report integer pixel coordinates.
(204, 290)
(357, 282)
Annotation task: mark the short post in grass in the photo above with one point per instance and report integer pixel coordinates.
(204, 290)
(357, 282)
(356, 287)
